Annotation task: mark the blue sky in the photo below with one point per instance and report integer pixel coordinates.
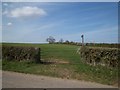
(34, 22)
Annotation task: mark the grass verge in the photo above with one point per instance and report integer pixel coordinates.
(75, 69)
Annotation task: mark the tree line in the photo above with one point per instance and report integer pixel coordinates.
(52, 40)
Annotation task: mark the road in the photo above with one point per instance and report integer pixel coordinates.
(20, 80)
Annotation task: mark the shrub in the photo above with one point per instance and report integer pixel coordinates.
(100, 56)
(21, 53)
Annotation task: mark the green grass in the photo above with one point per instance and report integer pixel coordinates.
(74, 70)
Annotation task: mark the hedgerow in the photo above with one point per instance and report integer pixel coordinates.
(100, 56)
(20, 53)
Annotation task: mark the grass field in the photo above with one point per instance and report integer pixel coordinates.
(70, 66)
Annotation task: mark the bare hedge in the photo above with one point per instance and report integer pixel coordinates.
(100, 56)
(0, 52)
(21, 53)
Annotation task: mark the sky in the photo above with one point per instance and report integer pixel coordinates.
(33, 22)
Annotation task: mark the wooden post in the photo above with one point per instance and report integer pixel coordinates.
(38, 55)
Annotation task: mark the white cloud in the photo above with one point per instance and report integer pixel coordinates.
(9, 24)
(5, 4)
(5, 12)
(26, 11)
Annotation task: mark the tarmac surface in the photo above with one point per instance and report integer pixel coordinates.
(21, 80)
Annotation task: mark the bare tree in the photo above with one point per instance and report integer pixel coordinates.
(67, 42)
(50, 39)
(61, 40)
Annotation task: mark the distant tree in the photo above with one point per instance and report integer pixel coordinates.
(50, 39)
(71, 42)
(61, 40)
(66, 42)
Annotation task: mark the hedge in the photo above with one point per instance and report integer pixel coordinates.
(0, 52)
(100, 56)
(21, 53)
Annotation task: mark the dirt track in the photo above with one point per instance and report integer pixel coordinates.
(20, 80)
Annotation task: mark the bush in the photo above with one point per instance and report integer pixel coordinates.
(100, 56)
(21, 53)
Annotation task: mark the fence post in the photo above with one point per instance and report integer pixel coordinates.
(38, 55)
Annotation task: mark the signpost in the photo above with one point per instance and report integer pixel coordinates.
(82, 36)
